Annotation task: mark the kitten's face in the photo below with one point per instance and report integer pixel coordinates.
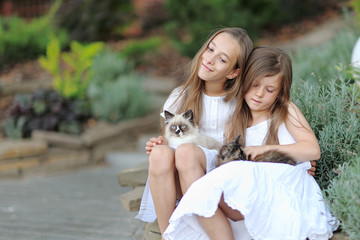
(229, 152)
(179, 125)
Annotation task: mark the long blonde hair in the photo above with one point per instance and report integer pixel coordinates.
(192, 90)
(262, 62)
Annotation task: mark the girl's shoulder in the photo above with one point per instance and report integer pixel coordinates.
(293, 109)
(296, 120)
(294, 114)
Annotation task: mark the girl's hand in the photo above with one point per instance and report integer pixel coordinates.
(312, 170)
(153, 142)
(253, 151)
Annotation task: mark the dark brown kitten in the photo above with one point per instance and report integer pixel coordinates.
(234, 151)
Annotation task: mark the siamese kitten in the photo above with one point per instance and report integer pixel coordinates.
(234, 151)
(180, 128)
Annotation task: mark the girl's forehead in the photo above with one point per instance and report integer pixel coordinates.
(226, 44)
(274, 80)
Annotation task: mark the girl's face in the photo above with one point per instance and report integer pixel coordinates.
(219, 59)
(263, 94)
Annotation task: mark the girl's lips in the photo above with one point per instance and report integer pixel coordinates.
(255, 100)
(206, 67)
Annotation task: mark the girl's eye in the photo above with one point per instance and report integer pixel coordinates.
(210, 49)
(270, 90)
(222, 60)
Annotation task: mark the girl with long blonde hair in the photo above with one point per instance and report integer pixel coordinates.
(214, 81)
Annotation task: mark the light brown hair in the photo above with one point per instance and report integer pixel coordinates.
(193, 88)
(263, 62)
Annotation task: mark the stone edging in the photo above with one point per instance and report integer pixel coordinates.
(52, 151)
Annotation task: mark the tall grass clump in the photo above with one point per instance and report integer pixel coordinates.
(332, 111)
(343, 196)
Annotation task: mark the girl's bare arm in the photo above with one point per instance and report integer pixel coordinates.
(306, 147)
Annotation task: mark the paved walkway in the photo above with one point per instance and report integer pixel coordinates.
(72, 206)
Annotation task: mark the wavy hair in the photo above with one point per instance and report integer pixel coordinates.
(263, 62)
(193, 88)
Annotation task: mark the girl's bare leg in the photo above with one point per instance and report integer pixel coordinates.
(190, 162)
(162, 183)
(217, 227)
(234, 215)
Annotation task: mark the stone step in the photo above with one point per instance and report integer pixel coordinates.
(11, 149)
(152, 231)
(135, 176)
(132, 199)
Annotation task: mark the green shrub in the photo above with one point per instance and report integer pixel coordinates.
(136, 50)
(355, 4)
(115, 92)
(343, 197)
(46, 110)
(333, 112)
(20, 40)
(71, 80)
(93, 20)
(191, 21)
(325, 60)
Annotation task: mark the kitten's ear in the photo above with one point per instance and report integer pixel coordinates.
(168, 115)
(224, 150)
(189, 115)
(238, 139)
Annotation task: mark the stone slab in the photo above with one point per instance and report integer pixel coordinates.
(11, 149)
(135, 176)
(132, 199)
(16, 167)
(152, 231)
(58, 159)
(58, 139)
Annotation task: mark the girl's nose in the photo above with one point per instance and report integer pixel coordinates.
(209, 58)
(259, 92)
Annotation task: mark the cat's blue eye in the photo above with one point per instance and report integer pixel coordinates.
(183, 126)
(173, 127)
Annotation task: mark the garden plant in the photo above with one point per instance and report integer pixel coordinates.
(325, 91)
(21, 40)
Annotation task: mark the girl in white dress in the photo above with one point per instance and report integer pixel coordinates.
(252, 200)
(213, 83)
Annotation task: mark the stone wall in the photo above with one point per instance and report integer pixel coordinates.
(52, 151)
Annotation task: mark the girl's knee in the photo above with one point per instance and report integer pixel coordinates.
(189, 156)
(161, 160)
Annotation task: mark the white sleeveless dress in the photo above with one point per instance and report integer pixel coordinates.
(278, 201)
